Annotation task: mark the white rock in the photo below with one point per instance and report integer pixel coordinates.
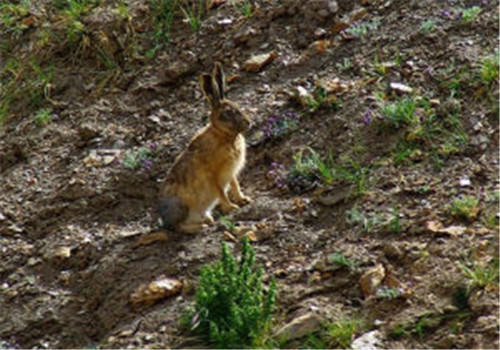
(464, 181)
(368, 341)
(401, 87)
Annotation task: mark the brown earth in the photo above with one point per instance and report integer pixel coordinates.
(72, 216)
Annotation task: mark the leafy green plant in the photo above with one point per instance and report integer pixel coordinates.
(345, 65)
(400, 113)
(427, 26)
(464, 207)
(481, 276)
(489, 68)
(339, 260)
(43, 116)
(470, 14)
(163, 11)
(11, 15)
(193, 14)
(353, 172)
(227, 223)
(72, 12)
(281, 124)
(232, 310)
(398, 331)
(388, 293)
(310, 166)
(395, 221)
(355, 216)
(246, 8)
(341, 333)
(360, 29)
(425, 323)
(312, 341)
(141, 157)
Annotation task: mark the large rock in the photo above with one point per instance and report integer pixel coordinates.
(300, 326)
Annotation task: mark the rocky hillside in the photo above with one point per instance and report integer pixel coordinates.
(372, 162)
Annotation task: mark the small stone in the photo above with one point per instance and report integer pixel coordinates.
(371, 279)
(62, 252)
(256, 63)
(368, 341)
(323, 13)
(319, 33)
(464, 181)
(401, 88)
(333, 6)
(300, 326)
(147, 294)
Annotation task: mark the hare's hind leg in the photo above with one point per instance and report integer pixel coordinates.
(236, 192)
(196, 222)
(192, 227)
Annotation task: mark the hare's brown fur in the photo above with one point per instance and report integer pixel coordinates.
(208, 168)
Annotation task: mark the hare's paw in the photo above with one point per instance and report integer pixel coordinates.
(193, 228)
(226, 208)
(244, 200)
(209, 220)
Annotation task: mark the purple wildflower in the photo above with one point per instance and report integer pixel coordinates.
(146, 163)
(445, 13)
(367, 116)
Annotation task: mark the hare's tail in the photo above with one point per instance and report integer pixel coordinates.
(172, 211)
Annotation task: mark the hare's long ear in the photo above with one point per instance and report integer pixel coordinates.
(210, 89)
(220, 79)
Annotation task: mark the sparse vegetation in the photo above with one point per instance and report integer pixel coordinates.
(193, 14)
(465, 207)
(481, 276)
(355, 216)
(341, 333)
(43, 116)
(281, 124)
(232, 308)
(141, 157)
(395, 221)
(373, 141)
(489, 68)
(470, 14)
(400, 113)
(339, 260)
(428, 26)
(388, 293)
(164, 11)
(360, 29)
(246, 8)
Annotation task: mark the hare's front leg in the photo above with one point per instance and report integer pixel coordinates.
(236, 192)
(224, 202)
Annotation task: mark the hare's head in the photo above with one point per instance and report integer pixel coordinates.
(226, 115)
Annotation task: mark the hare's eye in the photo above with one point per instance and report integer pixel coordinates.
(225, 116)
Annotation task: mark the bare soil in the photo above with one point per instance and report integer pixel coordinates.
(71, 221)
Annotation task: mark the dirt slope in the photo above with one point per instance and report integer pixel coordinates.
(75, 199)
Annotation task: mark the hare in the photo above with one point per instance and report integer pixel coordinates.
(202, 175)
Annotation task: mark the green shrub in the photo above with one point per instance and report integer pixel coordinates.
(232, 310)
